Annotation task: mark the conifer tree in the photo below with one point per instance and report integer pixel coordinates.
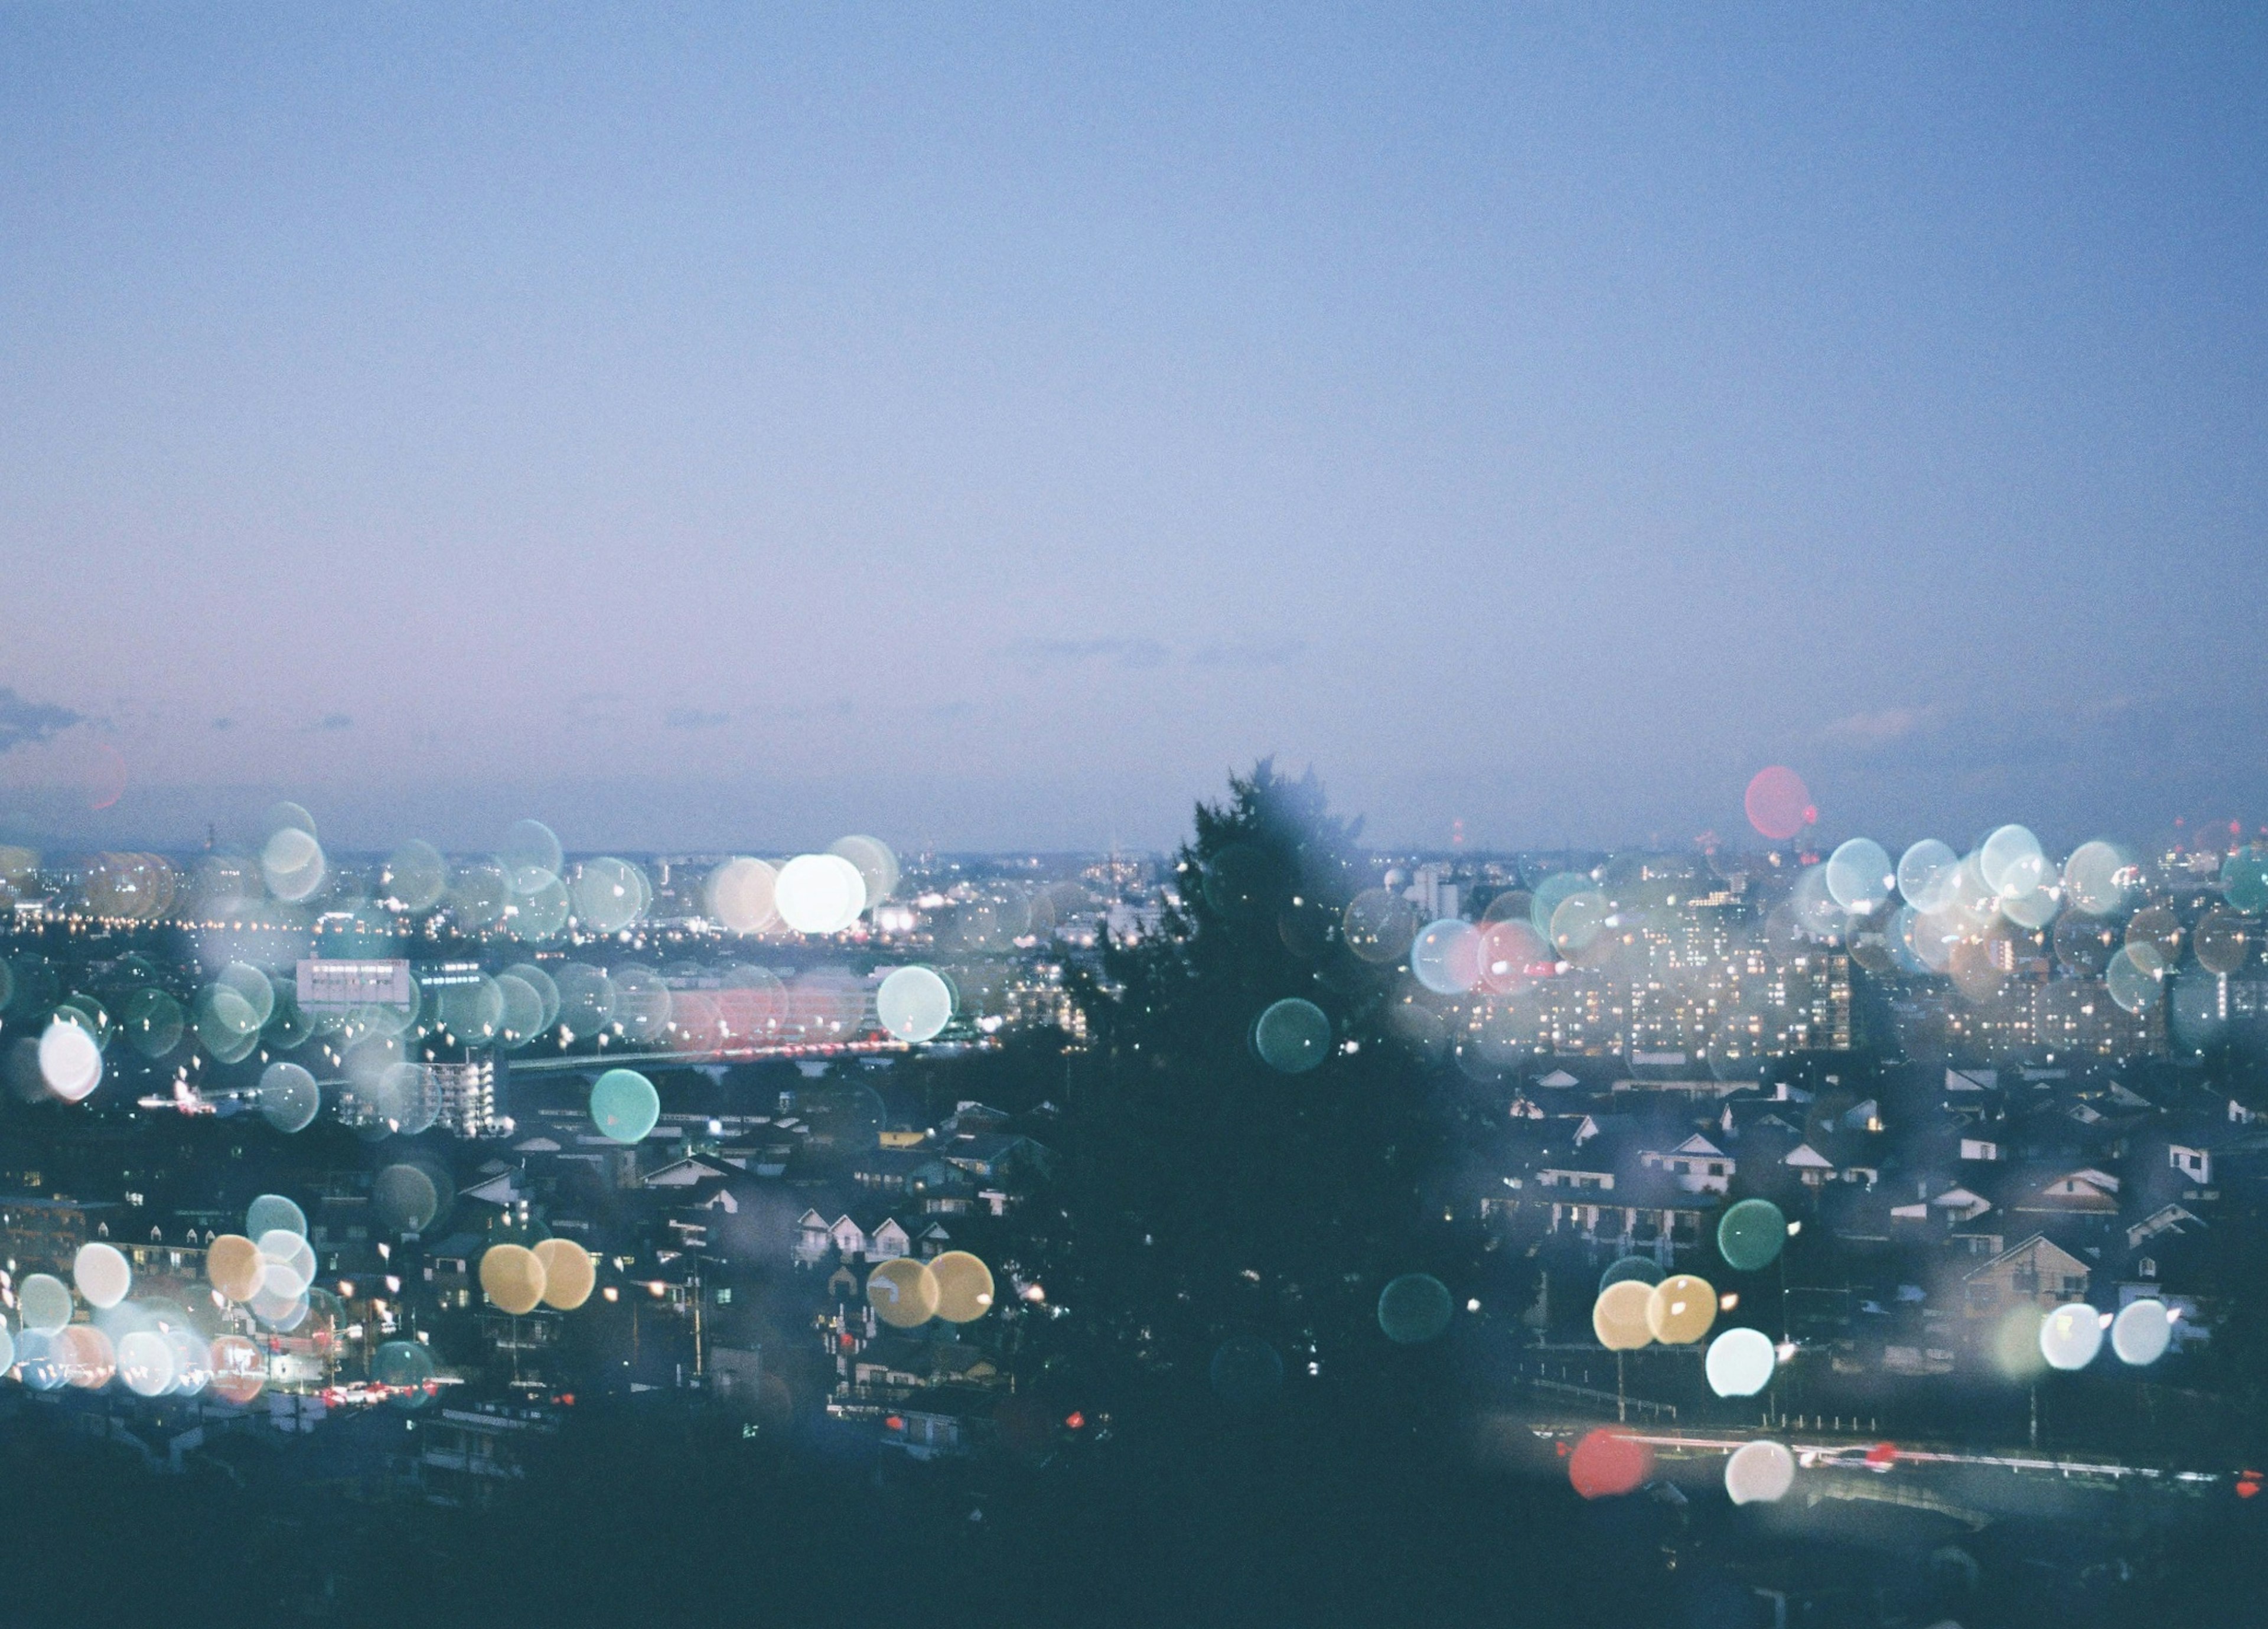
(1222, 1193)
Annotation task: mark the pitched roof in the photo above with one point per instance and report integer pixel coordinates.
(496, 1191)
(684, 1173)
(2062, 1259)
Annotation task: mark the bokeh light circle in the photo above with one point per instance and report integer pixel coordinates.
(1759, 1473)
(1816, 914)
(406, 1369)
(2083, 943)
(289, 1096)
(2142, 1333)
(405, 1199)
(624, 1105)
(587, 999)
(820, 894)
(876, 865)
(415, 877)
(569, 1275)
(1750, 1234)
(2221, 941)
(2070, 1335)
(1618, 1316)
(234, 1264)
(1578, 920)
(39, 1361)
(1445, 956)
(291, 1249)
(2015, 1346)
(1740, 1363)
(964, 1287)
(545, 987)
(70, 1060)
(540, 907)
(239, 1370)
(741, 893)
(903, 1292)
(2009, 860)
(611, 895)
(1414, 1309)
(2134, 975)
(43, 1302)
(1378, 926)
(2158, 928)
(1777, 803)
(512, 1276)
(1860, 875)
(2244, 881)
(914, 1004)
(1644, 1269)
(479, 891)
(292, 864)
(1293, 1036)
(101, 1274)
(531, 845)
(522, 1016)
(1608, 1464)
(1680, 1309)
(152, 1021)
(89, 1358)
(271, 1212)
(145, 1363)
(2100, 878)
(1512, 955)
(281, 1300)
(1929, 875)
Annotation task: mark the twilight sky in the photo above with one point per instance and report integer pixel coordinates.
(989, 424)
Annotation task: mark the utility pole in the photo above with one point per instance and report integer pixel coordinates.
(699, 1367)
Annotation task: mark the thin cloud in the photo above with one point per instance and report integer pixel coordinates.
(333, 721)
(596, 707)
(1039, 654)
(1248, 656)
(1891, 724)
(694, 718)
(24, 723)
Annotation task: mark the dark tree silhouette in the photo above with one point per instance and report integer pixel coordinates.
(1221, 1195)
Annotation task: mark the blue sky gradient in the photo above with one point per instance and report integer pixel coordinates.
(988, 425)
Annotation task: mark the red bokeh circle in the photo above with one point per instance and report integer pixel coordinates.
(1608, 1463)
(1778, 803)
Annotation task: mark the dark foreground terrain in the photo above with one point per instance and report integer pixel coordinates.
(656, 1515)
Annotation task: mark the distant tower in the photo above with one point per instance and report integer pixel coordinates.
(212, 836)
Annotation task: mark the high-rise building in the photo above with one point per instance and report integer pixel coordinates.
(470, 1096)
(1432, 892)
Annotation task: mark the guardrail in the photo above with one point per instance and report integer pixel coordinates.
(1606, 1401)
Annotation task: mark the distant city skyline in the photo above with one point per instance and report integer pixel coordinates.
(721, 430)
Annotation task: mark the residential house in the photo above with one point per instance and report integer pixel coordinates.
(1648, 1213)
(853, 1237)
(2037, 1272)
(2087, 1192)
(1696, 1165)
